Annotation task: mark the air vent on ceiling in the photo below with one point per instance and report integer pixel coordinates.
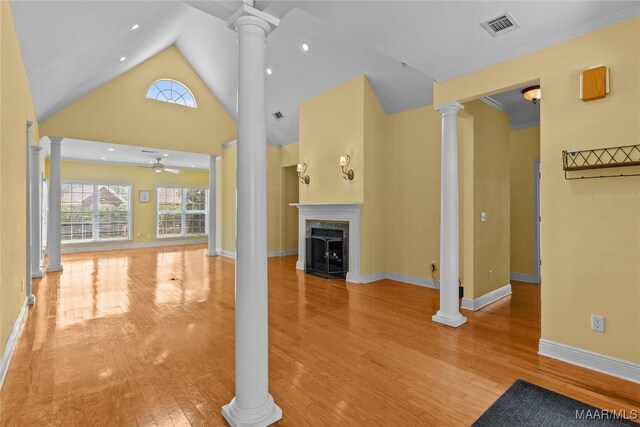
(278, 115)
(500, 25)
(150, 151)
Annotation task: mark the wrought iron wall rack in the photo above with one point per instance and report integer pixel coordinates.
(601, 158)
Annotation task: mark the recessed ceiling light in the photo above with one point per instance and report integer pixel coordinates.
(151, 161)
(193, 166)
(111, 149)
(165, 155)
(103, 158)
(135, 26)
(269, 71)
(122, 58)
(305, 47)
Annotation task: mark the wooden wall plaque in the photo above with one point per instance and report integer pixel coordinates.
(594, 83)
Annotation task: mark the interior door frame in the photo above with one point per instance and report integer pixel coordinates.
(537, 221)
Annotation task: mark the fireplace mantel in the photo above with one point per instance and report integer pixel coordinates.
(349, 212)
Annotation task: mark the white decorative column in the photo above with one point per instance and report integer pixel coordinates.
(211, 217)
(35, 211)
(54, 220)
(449, 313)
(252, 404)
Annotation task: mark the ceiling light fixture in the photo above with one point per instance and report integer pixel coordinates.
(193, 166)
(111, 149)
(305, 47)
(122, 58)
(532, 93)
(165, 155)
(135, 26)
(103, 158)
(269, 72)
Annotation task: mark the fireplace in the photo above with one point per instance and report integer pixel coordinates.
(326, 253)
(344, 217)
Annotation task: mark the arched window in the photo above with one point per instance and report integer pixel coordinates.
(171, 91)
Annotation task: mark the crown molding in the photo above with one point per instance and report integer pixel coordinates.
(495, 104)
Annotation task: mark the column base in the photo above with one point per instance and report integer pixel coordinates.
(36, 274)
(214, 253)
(31, 299)
(53, 268)
(454, 321)
(262, 416)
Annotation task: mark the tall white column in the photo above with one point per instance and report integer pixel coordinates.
(35, 210)
(54, 220)
(211, 217)
(252, 404)
(449, 313)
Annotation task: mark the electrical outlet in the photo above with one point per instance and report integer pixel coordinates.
(139, 235)
(483, 216)
(433, 266)
(490, 274)
(597, 323)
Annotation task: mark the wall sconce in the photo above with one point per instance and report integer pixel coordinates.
(302, 170)
(344, 164)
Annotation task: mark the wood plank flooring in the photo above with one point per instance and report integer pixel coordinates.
(145, 337)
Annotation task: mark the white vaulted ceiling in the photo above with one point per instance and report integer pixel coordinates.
(72, 47)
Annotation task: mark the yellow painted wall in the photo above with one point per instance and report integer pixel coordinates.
(274, 199)
(331, 125)
(524, 148)
(590, 228)
(143, 214)
(289, 155)
(118, 112)
(16, 108)
(229, 168)
(290, 213)
(490, 195)
(413, 191)
(374, 215)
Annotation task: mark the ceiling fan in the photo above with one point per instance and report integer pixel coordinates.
(159, 167)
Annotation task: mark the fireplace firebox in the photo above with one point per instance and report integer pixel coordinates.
(325, 253)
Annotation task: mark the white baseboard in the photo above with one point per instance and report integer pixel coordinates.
(486, 299)
(427, 282)
(282, 253)
(599, 362)
(5, 359)
(114, 246)
(374, 277)
(271, 254)
(523, 277)
(227, 254)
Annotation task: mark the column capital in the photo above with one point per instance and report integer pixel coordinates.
(56, 139)
(35, 148)
(452, 107)
(250, 15)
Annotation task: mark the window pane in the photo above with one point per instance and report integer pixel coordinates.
(113, 212)
(196, 223)
(170, 199)
(77, 212)
(170, 91)
(196, 200)
(170, 224)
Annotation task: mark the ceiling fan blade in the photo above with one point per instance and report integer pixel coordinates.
(146, 167)
(172, 170)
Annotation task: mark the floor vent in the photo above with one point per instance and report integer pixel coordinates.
(500, 25)
(278, 115)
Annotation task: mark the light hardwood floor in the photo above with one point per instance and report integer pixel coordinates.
(145, 337)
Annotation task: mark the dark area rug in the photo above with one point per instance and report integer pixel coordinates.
(525, 404)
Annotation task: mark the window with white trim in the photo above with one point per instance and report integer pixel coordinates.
(172, 92)
(182, 211)
(95, 212)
